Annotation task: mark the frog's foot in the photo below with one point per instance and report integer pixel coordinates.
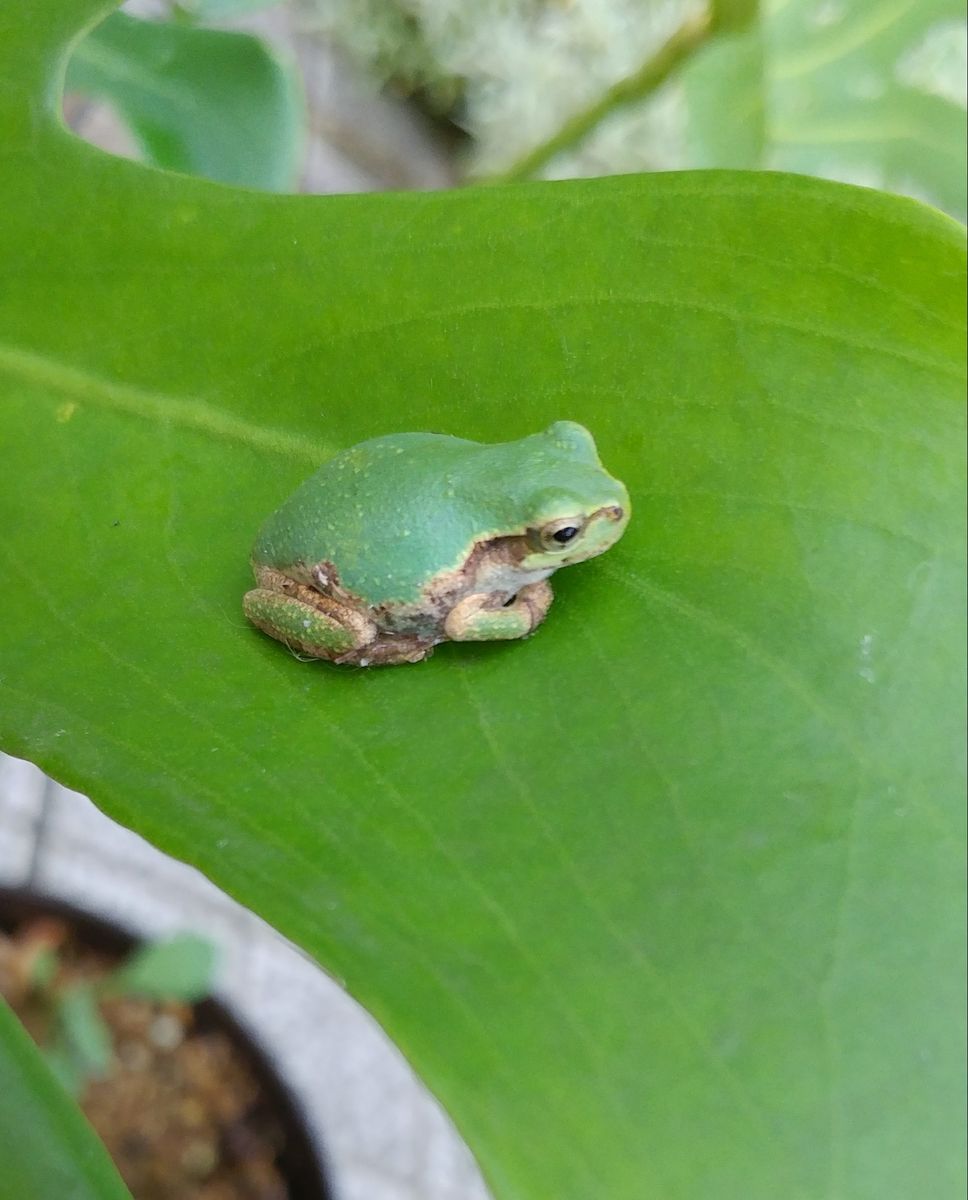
(477, 618)
(388, 650)
(305, 620)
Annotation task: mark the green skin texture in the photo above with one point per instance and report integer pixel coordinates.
(398, 518)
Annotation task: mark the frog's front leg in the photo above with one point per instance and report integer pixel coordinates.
(306, 620)
(479, 618)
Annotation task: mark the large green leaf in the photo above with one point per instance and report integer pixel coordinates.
(663, 901)
(49, 1150)
(849, 89)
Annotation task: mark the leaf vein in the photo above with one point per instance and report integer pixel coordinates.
(151, 406)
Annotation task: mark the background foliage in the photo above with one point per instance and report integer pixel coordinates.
(864, 91)
(204, 101)
(661, 900)
(859, 90)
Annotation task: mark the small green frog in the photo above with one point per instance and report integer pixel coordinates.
(406, 541)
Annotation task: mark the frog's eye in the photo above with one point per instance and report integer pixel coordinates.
(556, 535)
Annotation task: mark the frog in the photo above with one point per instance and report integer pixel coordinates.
(408, 540)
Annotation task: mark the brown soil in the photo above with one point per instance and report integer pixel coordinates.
(181, 1110)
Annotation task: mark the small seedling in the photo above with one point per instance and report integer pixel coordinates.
(79, 1048)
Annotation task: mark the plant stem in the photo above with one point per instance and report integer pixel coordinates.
(648, 78)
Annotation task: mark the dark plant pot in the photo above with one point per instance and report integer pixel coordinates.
(298, 1159)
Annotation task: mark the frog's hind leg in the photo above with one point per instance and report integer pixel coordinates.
(305, 620)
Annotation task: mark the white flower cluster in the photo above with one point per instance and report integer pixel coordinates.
(521, 68)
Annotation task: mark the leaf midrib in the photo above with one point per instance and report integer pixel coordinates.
(103, 393)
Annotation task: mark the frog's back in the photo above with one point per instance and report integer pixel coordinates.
(392, 513)
(386, 513)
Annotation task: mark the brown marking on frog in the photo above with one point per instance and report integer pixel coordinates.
(397, 633)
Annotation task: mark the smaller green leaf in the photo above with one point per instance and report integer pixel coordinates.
(844, 89)
(63, 1063)
(220, 10)
(49, 1150)
(202, 101)
(82, 1044)
(179, 968)
(43, 969)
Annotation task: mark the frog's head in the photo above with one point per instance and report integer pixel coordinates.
(581, 511)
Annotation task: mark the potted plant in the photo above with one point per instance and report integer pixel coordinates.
(184, 1099)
